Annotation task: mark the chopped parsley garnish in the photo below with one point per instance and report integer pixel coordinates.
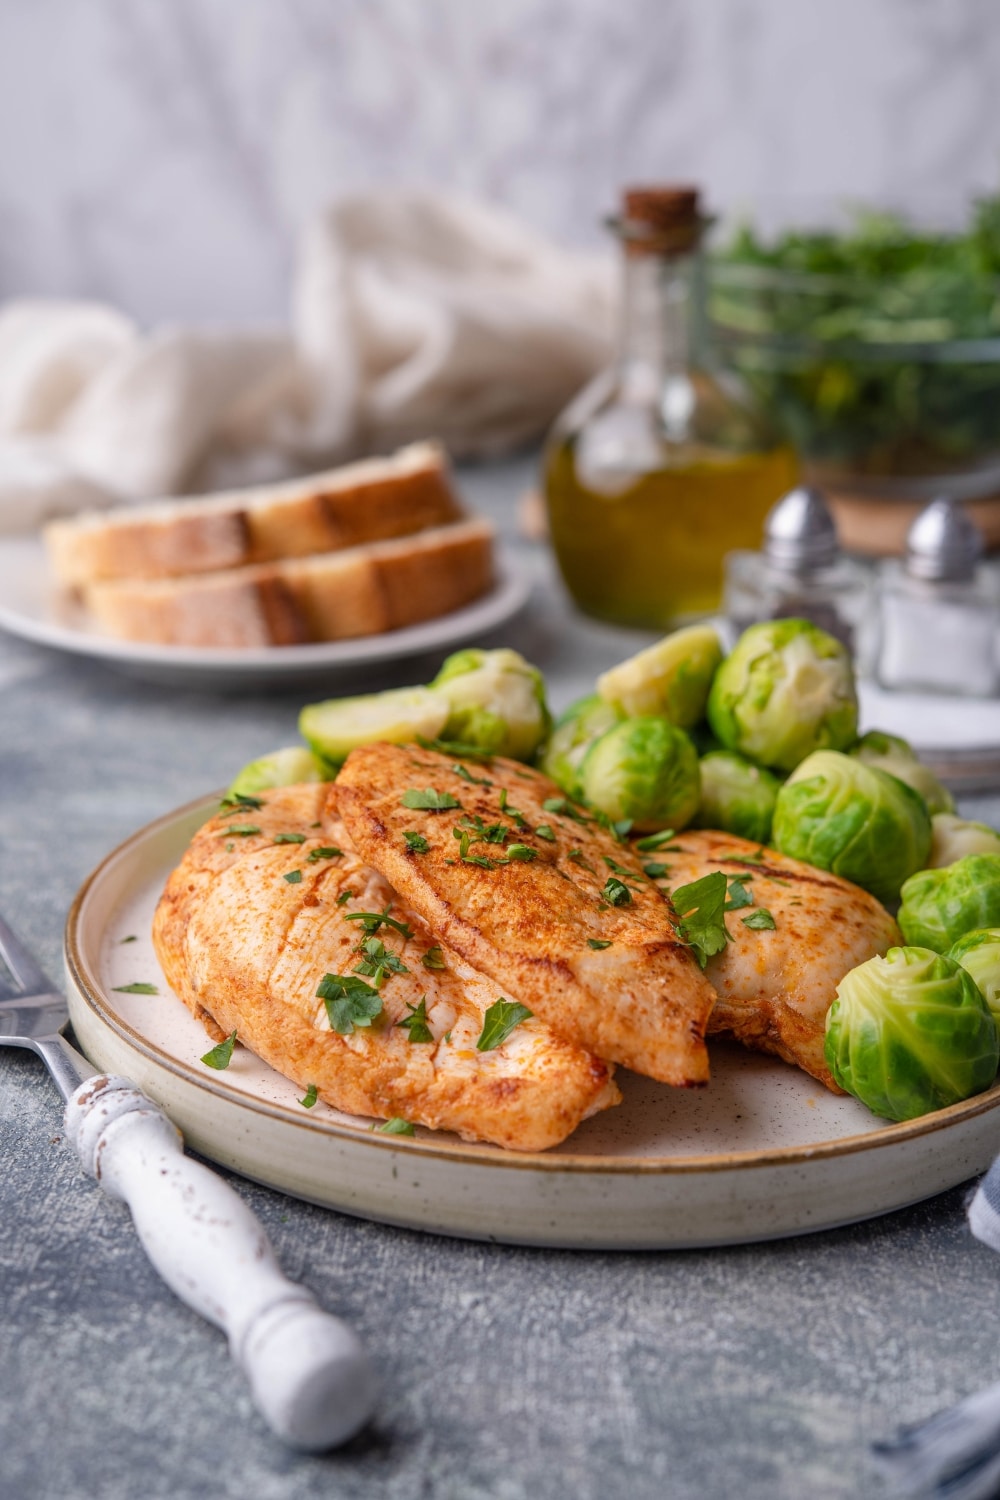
(480, 860)
(350, 1003)
(759, 920)
(519, 852)
(616, 893)
(244, 830)
(467, 775)
(598, 942)
(545, 831)
(511, 812)
(240, 799)
(738, 894)
(293, 877)
(139, 987)
(396, 1126)
(654, 841)
(561, 805)
(416, 843)
(312, 1094)
(230, 848)
(377, 961)
(221, 1056)
(700, 906)
(620, 869)
(433, 958)
(576, 855)
(415, 1024)
(498, 1023)
(455, 748)
(428, 800)
(289, 838)
(130, 939)
(344, 897)
(656, 869)
(327, 851)
(371, 921)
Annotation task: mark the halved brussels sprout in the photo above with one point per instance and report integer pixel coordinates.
(670, 679)
(785, 690)
(576, 730)
(979, 954)
(286, 767)
(736, 796)
(888, 752)
(496, 702)
(941, 906)
(336, 727)
(910, 1033)
(645, 769)
(953, 838)
(861, 823)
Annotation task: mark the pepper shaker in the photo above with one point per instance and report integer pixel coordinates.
(938, 615)
(801, 572)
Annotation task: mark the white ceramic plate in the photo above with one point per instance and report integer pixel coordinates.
(31, 607)
(764, 1151)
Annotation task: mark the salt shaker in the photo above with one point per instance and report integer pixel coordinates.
(801, 572)
(938, 614)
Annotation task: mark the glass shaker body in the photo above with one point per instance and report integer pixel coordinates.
(938, 637)
(837, 598)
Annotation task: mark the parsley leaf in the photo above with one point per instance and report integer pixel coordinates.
(656, 869)
(616, 892)
(498, 1023)
(480, 860)
(219, 1057)
(328, 851)
(293, 877)
(433, 958)
(344, 897)
(312, 1094)
(130, 939)
(620, 869)
(140, 987)
(519, 852)
(544, 831)
(654, 841)
(416, 843)
(739, 896)
(240, 799)
(396, 1126)
(244, 830)
(759, 920)
(700, 905)
(429, 800)
(415, 1024)
(467, 775)
(455, 747)
(566, 808)
(598, 942)
(371, 921)
(289, 838)
(349, 1002)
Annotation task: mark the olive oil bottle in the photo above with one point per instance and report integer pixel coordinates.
(661, 465)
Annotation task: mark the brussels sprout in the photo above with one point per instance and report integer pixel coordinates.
(940, 906)
(890, 753)
(334, 728)
(286, 767)
(645, 769)
(575, 732)
(737, 796)
(979, 954)
(857, 821)
(910, 1033)
(671, 679)
(785, 690)
(496, 702)
(953, 838)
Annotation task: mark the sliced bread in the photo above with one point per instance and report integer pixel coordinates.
(331, 596)
(363, 502)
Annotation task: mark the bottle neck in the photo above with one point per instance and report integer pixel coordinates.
(661, 331)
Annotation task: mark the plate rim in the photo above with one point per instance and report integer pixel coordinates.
(478, 1153)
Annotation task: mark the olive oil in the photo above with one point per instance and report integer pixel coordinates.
(648, 552)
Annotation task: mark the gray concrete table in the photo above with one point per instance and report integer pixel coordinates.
(507, 1374)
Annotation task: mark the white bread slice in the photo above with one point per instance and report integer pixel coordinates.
(346, 507)
(328, 597)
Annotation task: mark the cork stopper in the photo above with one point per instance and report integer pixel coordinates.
(660, 220)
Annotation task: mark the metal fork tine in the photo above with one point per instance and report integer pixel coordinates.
(32, 979)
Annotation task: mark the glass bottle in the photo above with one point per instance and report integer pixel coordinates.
(660, 466)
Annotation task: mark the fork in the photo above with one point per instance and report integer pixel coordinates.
(309, 1375)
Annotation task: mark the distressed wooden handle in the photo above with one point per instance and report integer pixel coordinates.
(310, 1377)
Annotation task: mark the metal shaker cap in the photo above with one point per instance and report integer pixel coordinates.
(944, 543)
(799, 532)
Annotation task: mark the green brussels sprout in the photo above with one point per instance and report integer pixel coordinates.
(861, 823)
(940, 906)
(496, 702)
(953, 838)
(736, 796)
(645, 769)
(285, 767)
(891, 753)
(670, 679)
(575, 731)
(785, 690)
(336, 727)
(979, 954)
(910, 1033)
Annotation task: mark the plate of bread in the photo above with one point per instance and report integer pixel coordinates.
(369, 562)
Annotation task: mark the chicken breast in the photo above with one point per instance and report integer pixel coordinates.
(776, 986)
(533, 891)
(247, 948)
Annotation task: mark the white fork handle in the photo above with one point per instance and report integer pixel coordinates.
(310, 1377)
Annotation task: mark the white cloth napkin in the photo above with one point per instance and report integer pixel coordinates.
(414, 314)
